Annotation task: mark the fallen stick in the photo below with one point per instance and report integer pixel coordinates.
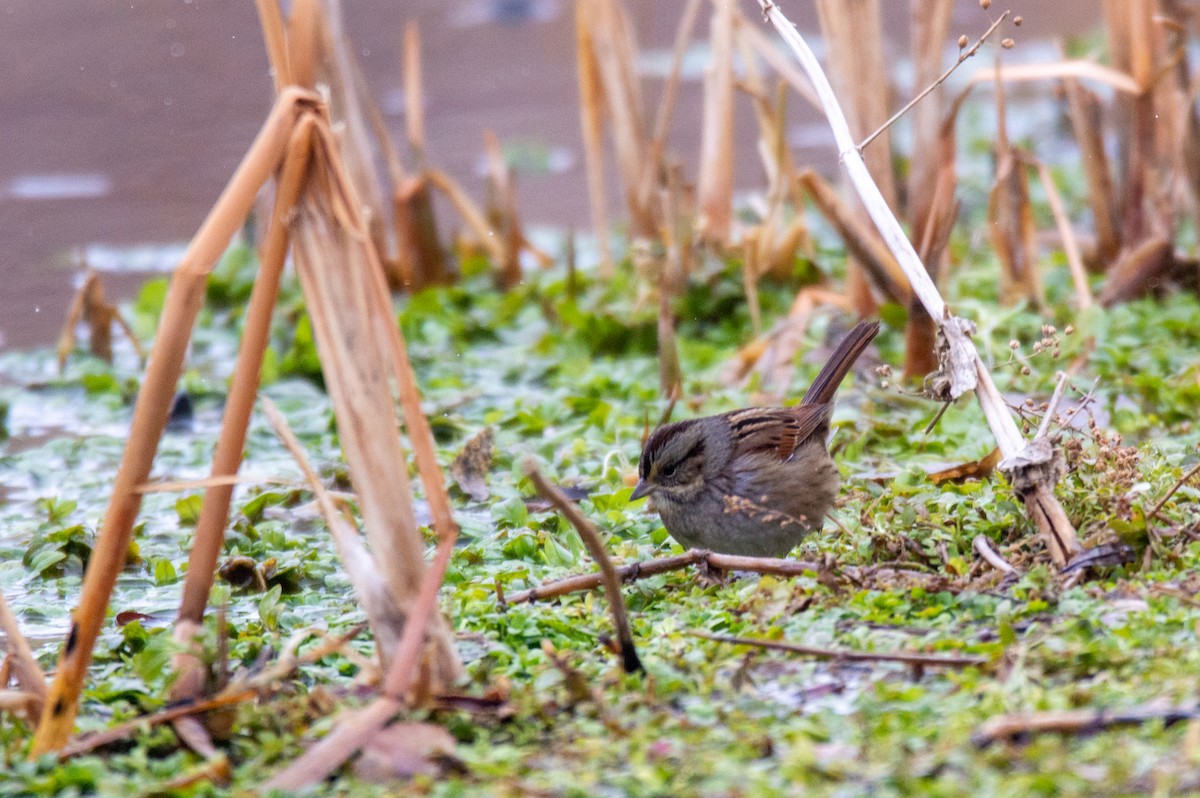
(703, 557)
(608, 574)
(849, 655)
(1077, 721)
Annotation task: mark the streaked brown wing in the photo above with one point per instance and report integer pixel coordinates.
(776, 430)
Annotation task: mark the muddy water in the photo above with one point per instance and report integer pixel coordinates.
(122, 120)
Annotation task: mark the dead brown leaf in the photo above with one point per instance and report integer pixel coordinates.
(470, 468)
(976, 469)
(403, 750)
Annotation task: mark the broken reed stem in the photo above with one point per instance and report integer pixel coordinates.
(965, 370)
(29, 674)
(963, 56)
(355, 730)
(595, 546)
(702, 557)
(369, 585)
(591, 104)
(184, 299)
(1070, 243)
(850, 655)
(489, 239)
(227, 457)
(355, 332)
(666, 107)
(1015, 73)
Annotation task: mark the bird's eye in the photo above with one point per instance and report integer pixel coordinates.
(668, 470)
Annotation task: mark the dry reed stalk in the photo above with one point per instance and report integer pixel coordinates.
(1070, 244)
(349, 308)
(30, 677)
(184, 299)
(863, 243)
(383, 615)
(1031, 471)
(1010, 220)
(209, 536)
(932, 208)
(613, 59)
(750, 274)
(929, 25)
(591, 119)
(748, 31)
(414, 92)
(666, 106)
(422, 257)
(933, 237)
(502, 214)
(714, 198)
(487, 236)
(271, 21)
(778, 239)
(419, 432)
(1136, 270)
(92, 307)
(337, 67)
(853, 33)
(353, 732)
(303, 41)
(774, 358)
(1085, 113)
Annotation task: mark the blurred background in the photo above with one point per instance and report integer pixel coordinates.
(123, 120)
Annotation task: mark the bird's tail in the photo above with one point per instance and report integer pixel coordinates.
(840, 362)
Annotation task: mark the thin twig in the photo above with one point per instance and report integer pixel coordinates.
(702, 557)
(849, 655)
(1080, 721)
(595, 546)
(1154, 513)
(1069, 242)
(963, 56)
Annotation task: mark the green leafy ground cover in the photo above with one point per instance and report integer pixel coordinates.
(566, 373)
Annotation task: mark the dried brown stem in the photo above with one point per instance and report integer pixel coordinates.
(1080, 721)
(227, 457)
(850, 655)
(1183, 480)
(30, 677)
(1070, 244)
(708, 559)
(386, 622)
(354, 731)
(184, 298)
(595, 546)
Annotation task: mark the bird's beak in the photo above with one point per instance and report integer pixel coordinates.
(641, 491)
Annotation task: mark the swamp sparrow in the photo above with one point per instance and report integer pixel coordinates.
(755, 481)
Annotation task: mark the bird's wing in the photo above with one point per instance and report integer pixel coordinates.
(776, 430)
